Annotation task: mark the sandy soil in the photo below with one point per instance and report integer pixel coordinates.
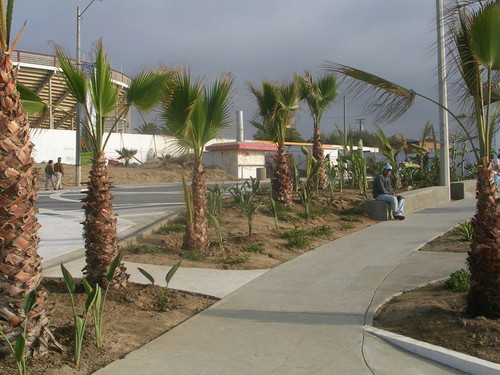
(433, 314)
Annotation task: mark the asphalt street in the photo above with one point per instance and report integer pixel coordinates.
(138, 208)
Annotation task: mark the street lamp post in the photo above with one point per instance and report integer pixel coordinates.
(443, 99)
(78, 127)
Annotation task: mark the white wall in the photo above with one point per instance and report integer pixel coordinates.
(51, 144)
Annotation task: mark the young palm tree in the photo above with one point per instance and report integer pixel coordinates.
(100, 221)
(277, 106)
(477, 57)
(195, 114)
(20, 268)
(126, 154)
(319, 95)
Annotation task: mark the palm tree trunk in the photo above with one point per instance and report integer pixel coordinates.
(20, 269)
(282, 182)
(319, 155)
(483, 258)
(99, 227)
(198, 236)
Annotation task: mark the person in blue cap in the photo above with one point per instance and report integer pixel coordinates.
(383, 191)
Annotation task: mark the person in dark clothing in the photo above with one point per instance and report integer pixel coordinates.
(383, 191)
(49, 175)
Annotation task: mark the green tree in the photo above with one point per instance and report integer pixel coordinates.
(126, 154)
(148, 128)
(195, 114)
(20, 269)
(319, 94)
(144, 92)
(277, 104)
(474, 43)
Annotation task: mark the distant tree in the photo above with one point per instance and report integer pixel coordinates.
(265, 134)
(319, 94)
(148, 128)
(126, 154)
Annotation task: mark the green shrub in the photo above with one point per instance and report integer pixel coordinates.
(173, 227)
(346, 226)
(233, 261)
(459, 281)
(255, 248)
(142, 249)
(298, 242)
(351, 219)
(194, 255)
(465, 230)
(322, 230)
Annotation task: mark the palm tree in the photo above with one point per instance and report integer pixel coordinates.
(20, 269)
(319, 95)
(277, 105)
(195, 114)
(148, 128)
(127, 154)
(100, 221)
(474, 37)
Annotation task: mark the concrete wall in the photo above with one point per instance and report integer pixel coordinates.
(50, 144)
(416, 200)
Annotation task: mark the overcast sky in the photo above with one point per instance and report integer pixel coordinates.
(255, 40)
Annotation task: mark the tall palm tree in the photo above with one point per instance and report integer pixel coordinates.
(319, 94)
(20, 268)
(100, 221)
(474, 41)
(195, 114)
(277, 105)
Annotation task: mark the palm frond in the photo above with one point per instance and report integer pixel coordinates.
(147, 88)
(485, 29)
(384, 98)
(32, 103)
(76, 82)
(103, 91)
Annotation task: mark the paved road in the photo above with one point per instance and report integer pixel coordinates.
(138, 207)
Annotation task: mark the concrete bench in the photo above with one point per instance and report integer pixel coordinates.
(415, 200)
(463, 189)
(378, 210)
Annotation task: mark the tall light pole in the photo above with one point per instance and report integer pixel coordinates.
(443, 99)
(78, 127)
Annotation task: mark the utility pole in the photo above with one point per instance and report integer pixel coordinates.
(360, 121)
(443, 99)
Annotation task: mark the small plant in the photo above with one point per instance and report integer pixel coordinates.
(215, 224)
(344, 226)
(459, 281)
(465, 230)
(194, 255)
(322, 230)
(296, 238)
(233, 261)
(80, 322)
(350, 219)
(100, 299)
(159, 291)
(18, 349)
(250, 208)
(255, 248)
(142, 249)
(214, 197)
(236, 192)
(172, 227)
(274, 212)
(306, 195)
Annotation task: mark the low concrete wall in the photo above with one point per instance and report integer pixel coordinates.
(416, 200)
(463, 189)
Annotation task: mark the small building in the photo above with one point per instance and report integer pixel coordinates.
(240, 159)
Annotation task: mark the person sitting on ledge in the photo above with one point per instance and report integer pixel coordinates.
(383, 191)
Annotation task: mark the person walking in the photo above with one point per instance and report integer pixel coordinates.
(49, 175)
(383, 191)
(59, 173)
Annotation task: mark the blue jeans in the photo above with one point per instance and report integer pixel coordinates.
(397, 203)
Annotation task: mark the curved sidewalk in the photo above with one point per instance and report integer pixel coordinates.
(307, 316)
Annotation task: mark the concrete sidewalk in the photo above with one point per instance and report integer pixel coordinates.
(307, 316)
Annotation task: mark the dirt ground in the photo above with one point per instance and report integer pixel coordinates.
(433, 314)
